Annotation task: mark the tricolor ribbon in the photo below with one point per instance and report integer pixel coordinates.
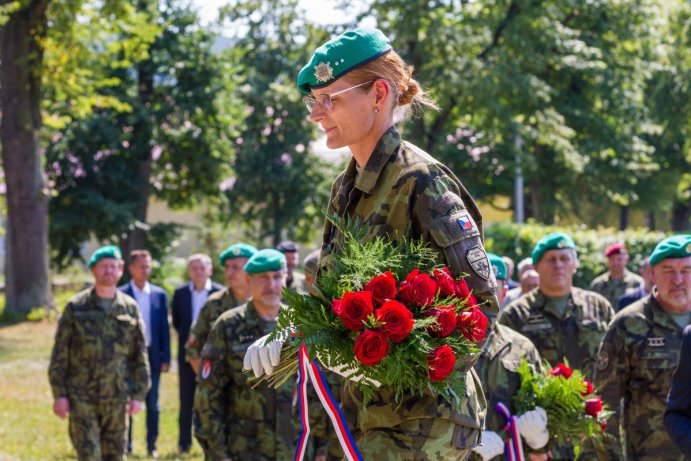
(513, 447)
(310, 370)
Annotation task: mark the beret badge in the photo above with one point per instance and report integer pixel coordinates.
(323, 72)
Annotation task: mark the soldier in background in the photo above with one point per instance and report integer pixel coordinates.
(510, 283)
(638, 355)
(496, 369)
(565, 323)
(295, 281)
(529, 280)
(618, 280)
(237, 421)
(311, 266)
(678, 414)
(99, 370)
(646, 273)
(233, 260)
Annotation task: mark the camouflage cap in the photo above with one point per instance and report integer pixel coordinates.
(498, 266)
(340, 55)
(554, 241)
(108, 251)
(266, 260)
(237, 250)
(677, 246)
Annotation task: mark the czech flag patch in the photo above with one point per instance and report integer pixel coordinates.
(206, 369)
(465, 222)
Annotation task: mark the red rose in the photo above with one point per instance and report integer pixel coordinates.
(603, 426)
(441, 362)
(355, 308)
(336, 306)
(561, 370)
(371, 347)
(473, 324)
(471, 302)
(462, 290)
(446, 321)
(383, 287)
(445, 282)
(398, 320)
(588, 388)
(593, 407)
(418, 289)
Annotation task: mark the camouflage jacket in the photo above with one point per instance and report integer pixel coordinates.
(216, 304)
(575, 337)
(99, 354)
(496, 369)
(402, 191)
(237, 421)
(614, 289)
(635, 364)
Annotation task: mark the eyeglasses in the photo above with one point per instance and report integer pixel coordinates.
(325, 99)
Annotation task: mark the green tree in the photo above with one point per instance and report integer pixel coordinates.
(667, 96)
(278, 185)
(167, 140)
(567, 77)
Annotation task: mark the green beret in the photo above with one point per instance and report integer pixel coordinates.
(238, 250)
(554, 241)
(677, 246)
(109, 251)
(340, 55)
(266, 260)
(498, 266)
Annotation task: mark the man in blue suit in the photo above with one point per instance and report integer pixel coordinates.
(678, 414)
(188, 301)
(153, 306)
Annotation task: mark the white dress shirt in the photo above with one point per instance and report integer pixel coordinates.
(143, 299)
(199, 299)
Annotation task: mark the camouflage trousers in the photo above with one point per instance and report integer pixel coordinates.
(424, 439)
(98, 430)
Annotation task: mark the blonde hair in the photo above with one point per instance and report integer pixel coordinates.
(391, 67)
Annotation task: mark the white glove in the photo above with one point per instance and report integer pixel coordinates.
(492, 445)
(532, 425)
(261, 357)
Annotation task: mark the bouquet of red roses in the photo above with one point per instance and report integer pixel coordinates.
(385, 315)
(575, 413)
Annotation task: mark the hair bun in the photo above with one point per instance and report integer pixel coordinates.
(407, 92)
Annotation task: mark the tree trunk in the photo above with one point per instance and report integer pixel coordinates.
(21, 56)
(650, 220)
(681, 216)
(142, 143)
(623, 217)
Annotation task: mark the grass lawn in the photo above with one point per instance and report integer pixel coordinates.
(28, 428)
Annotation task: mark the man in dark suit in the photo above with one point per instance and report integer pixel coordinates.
(153, 306)
(188, 301)
(678, 414)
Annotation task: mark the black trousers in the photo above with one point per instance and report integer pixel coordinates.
(188, 383)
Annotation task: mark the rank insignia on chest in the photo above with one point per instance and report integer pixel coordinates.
(657, 342)
(478, 261)
(465, 222)
(206, 369)
(536, 318)
(245, 338)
